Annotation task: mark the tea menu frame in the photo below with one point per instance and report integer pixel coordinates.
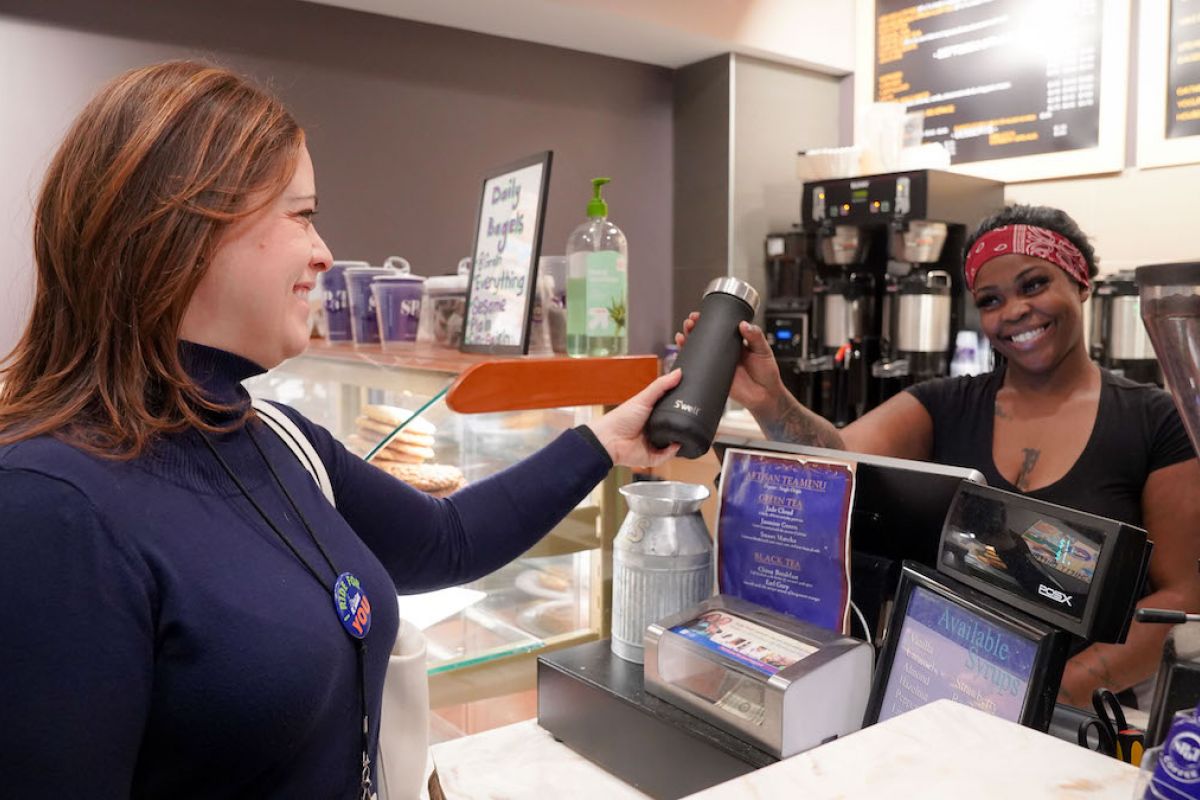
(504, 256)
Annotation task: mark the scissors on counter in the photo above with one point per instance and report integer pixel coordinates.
(1114, 736)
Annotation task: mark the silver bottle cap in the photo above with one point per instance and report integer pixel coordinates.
(738, 288)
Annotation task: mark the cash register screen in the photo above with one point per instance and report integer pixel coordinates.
(949, 651)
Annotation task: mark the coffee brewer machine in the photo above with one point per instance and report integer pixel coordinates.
(788, 314)
(1117, 339)
(889, 298)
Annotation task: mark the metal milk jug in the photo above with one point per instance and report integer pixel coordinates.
(662, 559)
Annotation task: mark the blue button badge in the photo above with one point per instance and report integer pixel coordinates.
(353, 608)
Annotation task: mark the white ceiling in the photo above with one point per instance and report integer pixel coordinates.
(817, 34)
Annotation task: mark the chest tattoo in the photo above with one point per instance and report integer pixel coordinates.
(1031, 457)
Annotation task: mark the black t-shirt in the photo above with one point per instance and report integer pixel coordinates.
(1137, 431)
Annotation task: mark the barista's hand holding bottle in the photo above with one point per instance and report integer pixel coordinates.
(758, 386)
(690, 413)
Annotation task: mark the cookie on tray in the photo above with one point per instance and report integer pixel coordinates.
(431, 478)
(391, 416)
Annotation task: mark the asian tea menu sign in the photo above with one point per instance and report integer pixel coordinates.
(783, 535)
(995, 78)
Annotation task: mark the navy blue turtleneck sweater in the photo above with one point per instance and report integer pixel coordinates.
(158, 640)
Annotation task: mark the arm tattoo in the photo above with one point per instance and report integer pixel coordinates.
(795, 423)
(1001, 413)
(1031, 457)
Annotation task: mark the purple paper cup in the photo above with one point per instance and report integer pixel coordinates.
(398, 304)
(364, 324)
(336, 297)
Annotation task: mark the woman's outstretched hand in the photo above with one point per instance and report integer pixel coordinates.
(622, 430)
(756, 381)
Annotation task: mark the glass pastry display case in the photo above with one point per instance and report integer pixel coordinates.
(467, 417)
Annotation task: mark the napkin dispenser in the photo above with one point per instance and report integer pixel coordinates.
(782, 684)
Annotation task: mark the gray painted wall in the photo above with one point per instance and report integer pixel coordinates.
(739, 122)
(701, 225)
(778, 110)
(403, 120)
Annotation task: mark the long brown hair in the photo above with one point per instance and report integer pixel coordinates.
(151, 173)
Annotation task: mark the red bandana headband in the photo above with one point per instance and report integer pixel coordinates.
(1027, 240)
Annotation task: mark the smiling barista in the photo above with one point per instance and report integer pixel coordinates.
(1048, 423)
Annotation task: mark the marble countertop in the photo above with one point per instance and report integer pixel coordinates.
(942, 750)
(522, 761)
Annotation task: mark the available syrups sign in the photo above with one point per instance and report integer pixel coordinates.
(508, 240)
(783, 535)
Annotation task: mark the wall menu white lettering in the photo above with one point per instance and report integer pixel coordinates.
(1183, 70)
(995, 78)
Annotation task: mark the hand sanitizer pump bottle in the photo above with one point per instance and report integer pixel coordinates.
(597, 283)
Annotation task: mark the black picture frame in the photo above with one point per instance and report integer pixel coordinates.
(487, 264)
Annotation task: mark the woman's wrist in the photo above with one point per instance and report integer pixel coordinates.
(593, 438)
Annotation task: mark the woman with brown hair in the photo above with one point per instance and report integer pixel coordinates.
(169, 572)
(1048, 422)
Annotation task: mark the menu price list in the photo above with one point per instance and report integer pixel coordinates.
(946, 652)
(1183, 70)
(995, 78)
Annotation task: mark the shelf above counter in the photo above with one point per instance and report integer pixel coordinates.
(481, 383)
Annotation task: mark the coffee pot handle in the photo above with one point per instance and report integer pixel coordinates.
(942, 279)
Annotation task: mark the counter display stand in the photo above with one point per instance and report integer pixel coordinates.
(483, 638)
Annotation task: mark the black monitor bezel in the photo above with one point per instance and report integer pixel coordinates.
(1051, 643)
(1087, 624)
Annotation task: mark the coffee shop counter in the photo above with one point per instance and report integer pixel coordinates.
(942, 750)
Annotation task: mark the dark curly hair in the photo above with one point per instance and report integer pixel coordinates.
(1052, 219)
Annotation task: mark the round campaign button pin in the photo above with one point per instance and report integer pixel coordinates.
(353, 608)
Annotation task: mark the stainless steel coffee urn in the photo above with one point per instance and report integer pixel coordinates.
(662, 560)
(1117, 337)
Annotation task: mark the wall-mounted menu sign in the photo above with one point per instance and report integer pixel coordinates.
(508, 239)
(1168, 91)
(1014, 89)
(1183, 70)
(995, 79)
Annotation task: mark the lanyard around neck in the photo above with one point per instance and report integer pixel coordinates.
(360, 644)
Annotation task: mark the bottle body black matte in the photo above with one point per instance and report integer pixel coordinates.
(690, 413)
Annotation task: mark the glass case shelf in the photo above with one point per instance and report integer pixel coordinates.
(559, 591)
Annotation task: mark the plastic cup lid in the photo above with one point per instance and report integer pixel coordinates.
(447, 284)
(399, 277)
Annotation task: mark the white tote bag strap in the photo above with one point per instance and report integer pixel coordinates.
(298, 443)
(403, 761)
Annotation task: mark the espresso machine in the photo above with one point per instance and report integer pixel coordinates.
(889, 297)
(1117, 339)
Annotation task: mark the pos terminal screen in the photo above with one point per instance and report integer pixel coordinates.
(948, 651)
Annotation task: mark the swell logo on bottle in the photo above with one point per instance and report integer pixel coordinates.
(1055, 595)
(687, 407)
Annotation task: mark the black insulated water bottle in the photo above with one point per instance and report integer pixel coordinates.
(689, 413)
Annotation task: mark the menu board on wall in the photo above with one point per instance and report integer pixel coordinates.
(508, 239)
(995, 79)
(1183, 70)
(1014, 89)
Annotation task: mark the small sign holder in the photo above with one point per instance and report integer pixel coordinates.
(508, 241)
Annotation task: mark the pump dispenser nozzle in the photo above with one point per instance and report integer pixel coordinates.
(596, 206)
